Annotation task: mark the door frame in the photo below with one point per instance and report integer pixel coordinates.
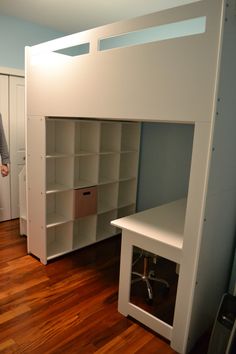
(4, 70)
(10, 72)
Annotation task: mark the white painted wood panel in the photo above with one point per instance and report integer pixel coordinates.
(36, 187)
(145, 79)
(192, 235)
(218, 237)
(5, 206)
(17, 137)
(218, 234)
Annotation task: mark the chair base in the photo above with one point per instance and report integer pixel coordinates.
(148, 276)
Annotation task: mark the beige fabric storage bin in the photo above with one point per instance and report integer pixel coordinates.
(85, 202)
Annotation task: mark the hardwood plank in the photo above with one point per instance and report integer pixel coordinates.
(18, 263)
(8, 315)
(151, 348)
(5, 345)
(19, 287)
(12, 245)
(135, 336)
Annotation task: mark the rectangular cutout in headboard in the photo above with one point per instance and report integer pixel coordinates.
(74, 51)
(178, 29)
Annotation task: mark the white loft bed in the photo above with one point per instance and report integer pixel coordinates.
(189, 79)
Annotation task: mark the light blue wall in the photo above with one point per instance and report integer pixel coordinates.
(164, 167)
(15, 35)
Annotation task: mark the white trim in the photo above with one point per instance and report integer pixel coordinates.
(11, 71)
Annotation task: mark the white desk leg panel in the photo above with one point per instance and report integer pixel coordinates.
(125, 273)
(130, 239)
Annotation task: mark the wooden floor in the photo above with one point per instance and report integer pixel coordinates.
(68, 306)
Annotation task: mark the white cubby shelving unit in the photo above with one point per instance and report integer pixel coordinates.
(81, 154)
(184, 74)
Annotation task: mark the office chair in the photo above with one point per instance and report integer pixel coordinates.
(147, 275)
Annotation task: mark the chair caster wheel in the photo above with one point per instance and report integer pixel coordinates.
(149, 301)
(165, 290)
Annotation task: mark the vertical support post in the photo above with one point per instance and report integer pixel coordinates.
(125, 273)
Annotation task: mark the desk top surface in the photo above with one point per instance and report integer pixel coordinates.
(164, 223)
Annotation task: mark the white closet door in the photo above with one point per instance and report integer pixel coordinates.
(5, 211)
(17, 138)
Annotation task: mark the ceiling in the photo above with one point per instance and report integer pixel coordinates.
(70, 16)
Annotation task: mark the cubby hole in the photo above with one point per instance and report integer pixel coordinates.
(107, 197)
(86, 137)
(59, 240)
(59, 137)
(108, 168)
(84, 231)
(125, 211)
(130, 136)
(59, 207)
(59, 174)
(128, 165)
(127, 193)
(104, 227)
(85, 171)
(110, 137)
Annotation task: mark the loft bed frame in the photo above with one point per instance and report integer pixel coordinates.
(133, 82)
(188, 79)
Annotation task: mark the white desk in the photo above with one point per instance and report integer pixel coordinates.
(158, 230)
(163, 224)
